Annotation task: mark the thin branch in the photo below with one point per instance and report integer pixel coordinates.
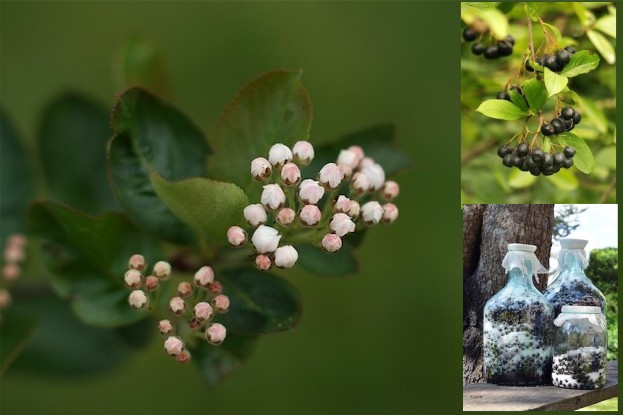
(609, 190)
(477, 150)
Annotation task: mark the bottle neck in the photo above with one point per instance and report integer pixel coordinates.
(517, 277)
(571, 263)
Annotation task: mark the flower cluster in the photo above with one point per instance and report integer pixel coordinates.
(319, 211)
(14, 255)
(192, 308)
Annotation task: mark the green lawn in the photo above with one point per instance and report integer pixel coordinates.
(609, 405)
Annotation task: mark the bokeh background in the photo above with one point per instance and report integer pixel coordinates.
(387, 340)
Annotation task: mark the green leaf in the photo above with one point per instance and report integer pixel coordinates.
(207, 206)
(15, 180)
(501, 110)
(141, 64)
(607, 24)
(554, 30)
(581, 62)
(564, 180)
(602, 44)
(260, 303)
(536, 94)
(554, 83)
(547, 144)
(270, 109)
(583, 159)
(316, 261)
(594, 113)
(607, 157)
(153, 136)
(518, 99)
(531, 11)
(15, 332)
(518, 179)
(72, 143)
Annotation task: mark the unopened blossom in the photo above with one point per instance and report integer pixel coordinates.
(310, 192)
(359, 154)
(348, 158)
(341, 224)
(273, 197)
(354, 210)
(342, 204)
(303, 152)
(204, 276)
(173, 345)
(236, 236)
(177, 305)
(203, 311)
(366, 162)
(347, 171)
(390, 190)
(5, 299)
(216, 287)
(184, 289)
(162, 269)
(221, 303)
(17, 240)
(372, 212)
(331, 242)
(133, 278)
(137, 261)
(151, 283)
(11, 271)
(360, 182)
(14, 253)
(137, 299)
(286, 256)
(263, 262)
(265, 239)
(183, 357)
(390, 212)
(255, 214)
(285, 216)
(261, 169)
(165, 326)
(279, 154)
(310, 215)
(215, 334)
(375, 175)
(290, 174)
(330, 176)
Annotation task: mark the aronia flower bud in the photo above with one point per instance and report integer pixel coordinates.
(310, 215)
(215, 334)
(279, 154)
(261, 169)
(331, 242)
(303, 152)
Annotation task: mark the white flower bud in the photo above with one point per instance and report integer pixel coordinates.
(360, 183)
(330, 176)
(261, 169)
(184, 289)
(17, 240)
(375, 175)
(285, 216)
(162, 269)
(331, 242)
(177, 305)
(203, 311)
(5, 299)
(372, 212)
(290, 174)
(342, 204)
(310, 192)
(366, 162)
(204, 276)
(341, 224)
(216, 287)
(347, 171)
(221, 303)
(138, 262)
(265, 239)
(279, 154)
(183, 357)
(151, 283)
(310, 215)
(173, 345)
(133, 278)
(137, 299)
(236, 236)
(215, 334)
(263, 262)
(390, 190)
(353, 212)
(255, 214)
(303, 152)
(11, 271)
(348, 158)
(390, 212)
(165, 327)
(286, 256)
(14, 253)
(273, 197)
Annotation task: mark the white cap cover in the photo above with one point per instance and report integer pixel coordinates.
(570, 243)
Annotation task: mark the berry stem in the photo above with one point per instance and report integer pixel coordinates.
(531, 39)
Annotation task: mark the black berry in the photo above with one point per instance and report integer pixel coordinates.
(478, 48)
(522, 149)
(469, 34)
(491, 52)
(567, 113)
(547, 129)
(550, 62)
(537, 154)
(505, 48)
(504, 150)
(558, 159)
(529, 67)
(535, 171)
(510, 39)
(563, 57)
(558, 125)
(577, 117)
(517, 89)
(503, 95)
(570, 49)
(547, 161)
(508, 160)
(569, 151)
(517, 160)
(530, 163)
(567, 163)
(568, 124)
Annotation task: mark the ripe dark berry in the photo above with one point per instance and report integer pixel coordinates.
(504, 150)
(508, 160)
(558, 125)
(510, 39)
(550, 62)
(505, 48)
(529, 67)
(540, 60)
(567, 163)
(522, 149)
(570, 49)
(558, 159)
(547, 160)
(469, 34)
(535, 171)
(517, 160)
(568, 124)
(547, 129)
(563, 57)
(517, 89)
(548, 171)
(503, 95)
(569, 151)
(529, 163)
(577, 117)
(478, 48)
(567, 113)
(537, 154)
(491, 52)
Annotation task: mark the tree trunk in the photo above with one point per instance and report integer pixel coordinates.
(487, 229)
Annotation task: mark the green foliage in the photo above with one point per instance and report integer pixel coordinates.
(14, 336)
(536, 94)
(342, 262)
(583, 160)
(501, 110)
(583, 61)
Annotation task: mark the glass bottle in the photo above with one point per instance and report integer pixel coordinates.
(580, 348)
(572, 286)
(518, 325)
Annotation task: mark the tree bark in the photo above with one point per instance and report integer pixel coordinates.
(487, 230)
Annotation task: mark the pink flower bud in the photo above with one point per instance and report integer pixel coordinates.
(165, 327)
(261, 169)
(342, 204)
(255, 214)
(310, 215)
(286, 256)
(265, 239)
(353, 212)
(11, 271)
(273, 197)
(263, 262)
(331, 242)
(203, 311)
(236, 236)
(151, 283)
(184, 289)
(173, 345)
(341, 224)
(372, 212)
(390, 212)
(348, 158)
(215, 334)
(303, 152)
(360, 183)
(359, 154)
(5, 299)
(183, 357)
(330, 176)
(14, 253)
(133, 278)
(137, 299)
(290, 174)
(390, 190)
(162, 269)
(310, 192)
(177, 306)
(221, 303)
(216, 287)
(279, 154)
(204, 277)
(347, 171)
(366, 162)
(375, 175)
(17, 240)
(138, 262)
(285, 216)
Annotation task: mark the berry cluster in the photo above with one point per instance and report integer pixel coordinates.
(565, 121)
(535, 160)
(554, 62)
(505, 95)
(494, 49)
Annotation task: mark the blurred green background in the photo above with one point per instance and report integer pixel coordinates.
(385, 341)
